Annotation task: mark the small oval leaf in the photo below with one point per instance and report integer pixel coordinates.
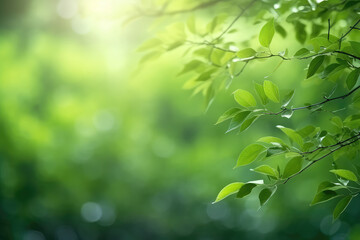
(228, 190)
(267, 33)
(244, 98)
(347, 174)
(249, 154)
(271, 91)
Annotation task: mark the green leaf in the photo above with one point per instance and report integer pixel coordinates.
(228, 190)
(341, 206)
(238, 120)
(260, 92)
(249, 154)
(352, 78)
(248, 122)
(347, 174)
(228, 114)
(244, 98)
(267, 170)
(292, 134)
(301, 52)
(324, 196)
(315, 65)
(267, 33)
(191, 66)
(245, 190)
(265, 195)
(246, 53)
(300, 32)
(292, 167)
(271, 91)
(337, 122)
(307, 131)
(271, 140)
(288, 97)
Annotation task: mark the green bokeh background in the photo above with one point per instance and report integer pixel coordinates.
(95, 146)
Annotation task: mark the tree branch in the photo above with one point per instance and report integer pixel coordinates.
(234, 21)
(315, 104)
(322, 157)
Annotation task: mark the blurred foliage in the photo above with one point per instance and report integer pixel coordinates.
(94, 145)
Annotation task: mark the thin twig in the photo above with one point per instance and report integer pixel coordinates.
(234, 21)
(330, 146)
(322, 157)
(315, 104)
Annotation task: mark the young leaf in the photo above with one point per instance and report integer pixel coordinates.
(249, 154)
(228, 190)
(248, 122)
(238, 120)
(228, 114)
(301, 52)
(260, 92)
(267, 170)
(271, 91)
(267, 33)
(341, 206)
(315, 65)
(324, 196)
(347, 174)
(246, 53)
(292, 167)
(265, 195)
(271, 139)
(352, 78)
(292, 134)
(244, 98)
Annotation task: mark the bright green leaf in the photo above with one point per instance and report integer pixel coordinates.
(347, 174)
(249, 154)
(248, 122)
(228, 114)
(228, 190)
(244, 98)
(271, 91)
(292, 167)
(237, 120)
(267, 33)
(246, 53)
(267, 170)
(260, 92)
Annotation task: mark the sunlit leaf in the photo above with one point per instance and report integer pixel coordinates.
(249, 154)
(267, 33)
(248, 122)
(292, 167)
(271, 91)
(237, 120)
(267, 170)
(228, 114)
(260, 92)
(244, 98)
(347, 174)
(228, 190)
